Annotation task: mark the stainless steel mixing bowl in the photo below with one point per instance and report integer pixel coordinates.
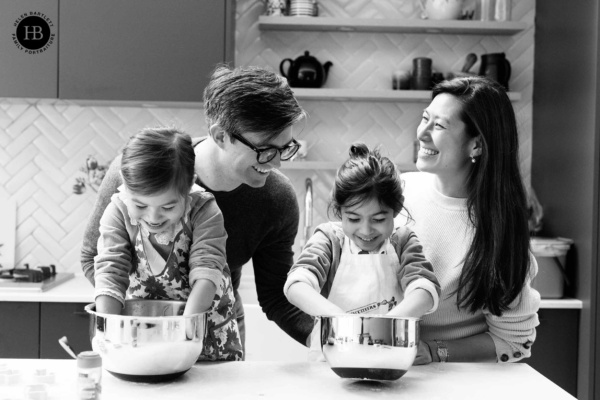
(369, 346)
(151, 341)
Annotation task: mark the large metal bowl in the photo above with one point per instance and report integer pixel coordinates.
(369, 346)
(151, 341)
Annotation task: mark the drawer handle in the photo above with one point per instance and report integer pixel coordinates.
(80, 313)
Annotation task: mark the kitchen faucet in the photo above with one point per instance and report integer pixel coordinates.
(308, 210)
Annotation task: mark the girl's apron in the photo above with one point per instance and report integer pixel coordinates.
(153, 277)
(156, 278)
(363, 284)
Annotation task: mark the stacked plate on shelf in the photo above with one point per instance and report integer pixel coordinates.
(304, 8)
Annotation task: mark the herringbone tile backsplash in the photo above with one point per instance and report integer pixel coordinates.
(44, 143)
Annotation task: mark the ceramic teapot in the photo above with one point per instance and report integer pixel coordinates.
(495, 66)
(305, 71)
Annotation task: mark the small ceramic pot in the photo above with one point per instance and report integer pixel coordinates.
(441, 9)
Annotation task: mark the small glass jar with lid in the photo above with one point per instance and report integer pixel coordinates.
(89, 375)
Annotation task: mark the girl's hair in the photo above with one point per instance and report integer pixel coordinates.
(250, 99)
(366, 175)
(497, 262)
(158, 159)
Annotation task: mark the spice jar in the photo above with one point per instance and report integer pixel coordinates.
(89, 375)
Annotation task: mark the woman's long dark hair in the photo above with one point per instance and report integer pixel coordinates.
(497, 263)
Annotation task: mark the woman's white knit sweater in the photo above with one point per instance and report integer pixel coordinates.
(444, 229)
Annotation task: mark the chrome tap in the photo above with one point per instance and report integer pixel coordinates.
(308, 210)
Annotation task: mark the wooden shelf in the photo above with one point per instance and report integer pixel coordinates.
(329, 165)
(390, 25)
(372, 95)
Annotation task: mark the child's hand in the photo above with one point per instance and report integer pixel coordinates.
(423, 354)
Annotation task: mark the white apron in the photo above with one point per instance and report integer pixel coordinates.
(363, 284)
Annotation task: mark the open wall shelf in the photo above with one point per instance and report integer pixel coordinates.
(407, 96)
(388, 25)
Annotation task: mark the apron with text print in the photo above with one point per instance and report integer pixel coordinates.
(363, 284)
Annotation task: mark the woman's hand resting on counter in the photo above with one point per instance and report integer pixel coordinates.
(423, 354)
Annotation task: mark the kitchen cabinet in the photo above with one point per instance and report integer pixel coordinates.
(142, 50)
(29, 72)
(554, 353)
(63, 319)
(19, 330)
(566, 160)
(32, 329)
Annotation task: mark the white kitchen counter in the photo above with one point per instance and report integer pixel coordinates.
(75, 290)
(281, 380)
(79, 290)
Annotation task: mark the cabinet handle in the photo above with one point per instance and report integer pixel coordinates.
(80, 313)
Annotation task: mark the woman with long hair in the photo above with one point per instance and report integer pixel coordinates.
(468, 206)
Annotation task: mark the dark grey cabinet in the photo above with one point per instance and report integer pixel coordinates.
(19, 329)
(565, 160)
(142, 50)
(63, 319)
(32, 329)
(29, 48)
(554, 353)
(134, 50)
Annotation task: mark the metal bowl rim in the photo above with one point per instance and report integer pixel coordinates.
(370, 316)
(89, 307)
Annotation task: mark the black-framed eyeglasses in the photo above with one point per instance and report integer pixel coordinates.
(263, 156)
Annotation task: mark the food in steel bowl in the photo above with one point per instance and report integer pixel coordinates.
(367, 346)
(151, 341)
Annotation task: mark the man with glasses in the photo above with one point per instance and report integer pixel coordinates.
(250, 115)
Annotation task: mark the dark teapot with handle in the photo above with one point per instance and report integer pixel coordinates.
(495, 66)
(305, 71)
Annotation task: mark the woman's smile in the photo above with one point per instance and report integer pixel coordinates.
(424, 151)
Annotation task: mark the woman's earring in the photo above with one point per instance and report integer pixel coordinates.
(473, 160)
